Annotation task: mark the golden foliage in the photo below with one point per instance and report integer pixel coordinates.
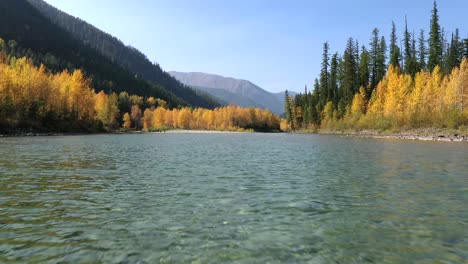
(32, 97)
(400, 101)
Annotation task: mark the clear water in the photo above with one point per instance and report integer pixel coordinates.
(242, 198)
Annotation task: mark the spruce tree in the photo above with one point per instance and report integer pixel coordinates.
(333, 83)
(394, 49)
(288, 109)
(364, 73)
(374, 54)
(465, 53)
(381, 60)
(414, 56)
(350, 79)
(435, 41)
(306, 107)
(422, 50)
(314, 101)
(407, 46)
(324, 76)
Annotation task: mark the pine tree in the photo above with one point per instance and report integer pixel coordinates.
(381, 60)
(465, 53)
(324, 76)
(350, 80)
(314, 101)
(455, 53)
(306, 107)
(333, 83)
(374, 58)
(435, 41)
(364, 73)
(465, 48)
(414, 52)
(288, 108)
(394, 49)
(407, 46)
(422, 50)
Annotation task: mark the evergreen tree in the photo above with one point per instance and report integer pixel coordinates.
(422, 50)
(455, 53)
(307, 111)
(333, 83)
(288, 109)
(324, 76)
(414, 56)
(465, 53)
(381, 60)
(407, 46)
(314, 101)
(435, 41)
(357, 58)
(350, 79)
(364, 73)
(394, 49)
(374, 51)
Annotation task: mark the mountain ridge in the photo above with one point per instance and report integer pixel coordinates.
(126, 56)
(242, 88)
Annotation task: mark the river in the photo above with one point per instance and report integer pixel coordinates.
(243, 198)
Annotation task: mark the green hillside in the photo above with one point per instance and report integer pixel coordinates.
(28, 33)
(127, 57)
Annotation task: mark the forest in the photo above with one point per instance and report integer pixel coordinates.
(35, 99)
(30, 33)
(127, 57)
(420, 83)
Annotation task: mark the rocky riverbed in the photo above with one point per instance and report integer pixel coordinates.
(427, 134)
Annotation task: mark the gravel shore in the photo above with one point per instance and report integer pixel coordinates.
(429, 134)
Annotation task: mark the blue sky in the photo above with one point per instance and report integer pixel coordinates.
(277, 44)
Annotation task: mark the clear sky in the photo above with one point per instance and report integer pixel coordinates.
(276, 44)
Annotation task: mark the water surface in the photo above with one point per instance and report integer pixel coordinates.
(242, 198)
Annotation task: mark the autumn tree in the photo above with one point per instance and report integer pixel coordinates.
(127, 121)
(136, 116)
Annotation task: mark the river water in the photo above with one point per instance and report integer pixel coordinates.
(242, 198)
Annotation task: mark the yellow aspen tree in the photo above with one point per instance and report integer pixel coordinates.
(183, 118)
(151, 102)
(127, 121)
(100, 106)
(328, 112)
(414, 100)
(168, 118)
(147, 119)
(159, 117)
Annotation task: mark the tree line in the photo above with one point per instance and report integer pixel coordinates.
(352, 86)
(32, 98)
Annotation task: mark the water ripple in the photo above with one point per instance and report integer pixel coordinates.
(210, 198)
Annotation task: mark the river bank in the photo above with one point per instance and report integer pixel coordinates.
(169, 131)
(426, 134)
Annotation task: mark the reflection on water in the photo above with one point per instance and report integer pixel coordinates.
(211, 198)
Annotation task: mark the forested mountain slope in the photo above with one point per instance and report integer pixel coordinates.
(28, 33)
(127, 57)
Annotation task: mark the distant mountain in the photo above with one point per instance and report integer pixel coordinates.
(227, 98)
(232, 91)
(127, 57)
